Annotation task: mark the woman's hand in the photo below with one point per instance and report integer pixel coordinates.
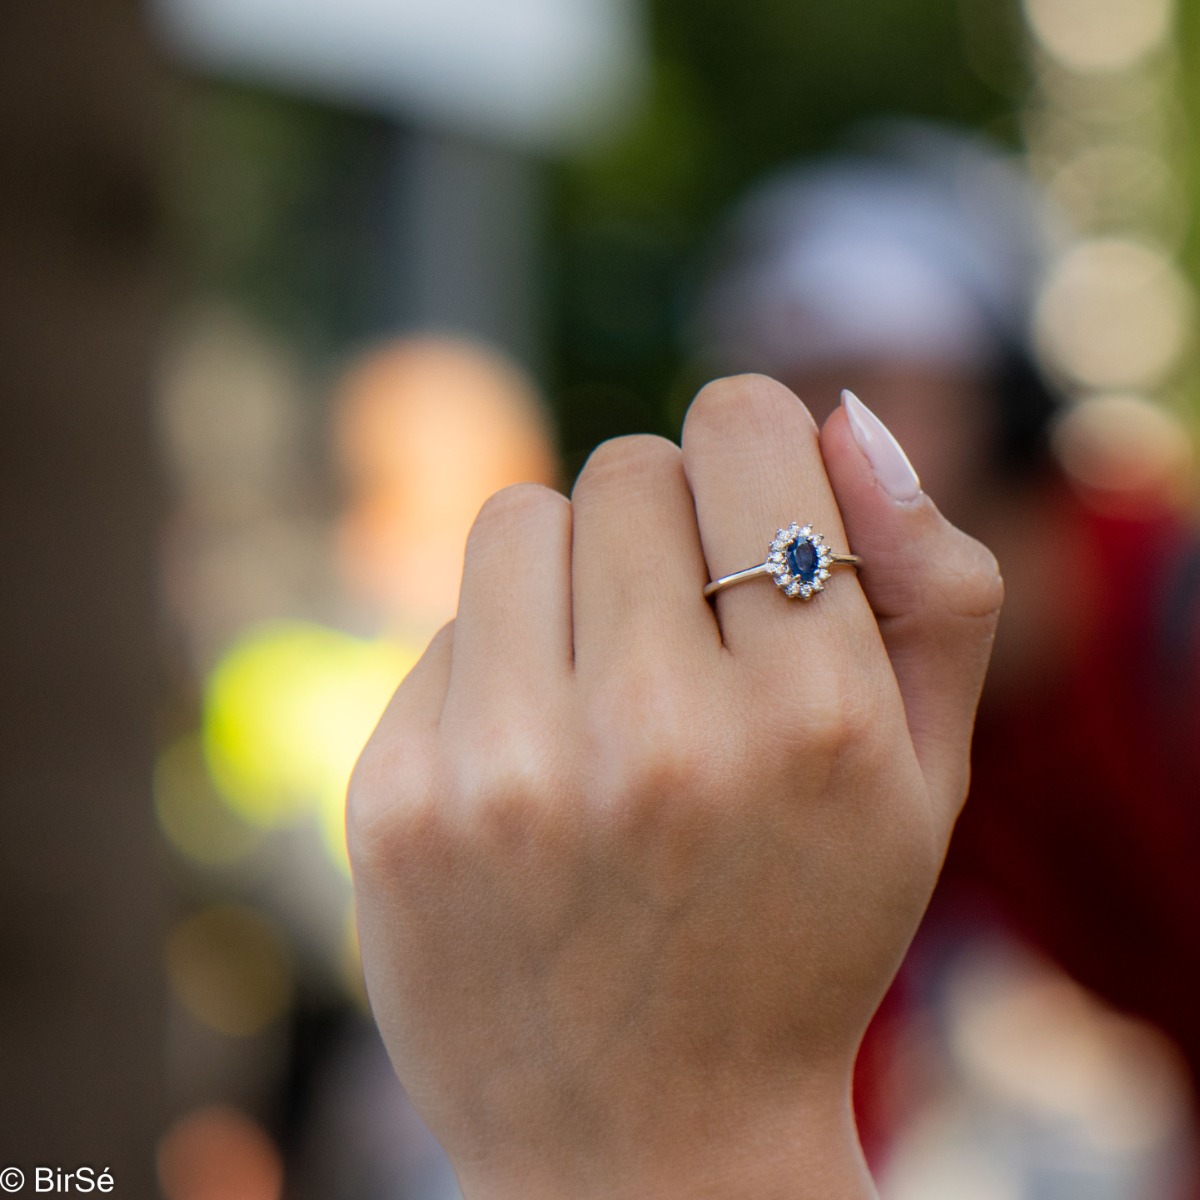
(634, 870)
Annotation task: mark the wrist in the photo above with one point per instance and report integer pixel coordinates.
(799, 1149)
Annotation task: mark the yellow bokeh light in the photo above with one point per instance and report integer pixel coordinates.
(1124, 444)
(1099, 36)
(1120, 186)
(1114, 314)
(287, 712)
(230, 968)
(191, 816)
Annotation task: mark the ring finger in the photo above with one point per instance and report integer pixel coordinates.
(754, 465)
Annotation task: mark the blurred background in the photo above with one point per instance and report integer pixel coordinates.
(289, 289)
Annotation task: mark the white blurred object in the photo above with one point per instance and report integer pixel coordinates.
(544, 73)
(918, 244)
(1040, 1092)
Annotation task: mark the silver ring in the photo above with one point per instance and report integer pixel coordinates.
(798, 560)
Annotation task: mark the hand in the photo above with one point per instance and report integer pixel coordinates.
(633, 870)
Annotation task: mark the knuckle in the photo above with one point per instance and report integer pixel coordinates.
(845, 722)
(648, 788)
(660, 771)
(502, 771)
(833, 716)
(972, 586)
(624, 460)
(516, 505)
(739, 400)
(411, 802)
(390, 797)
(507, 762)
(644, 741)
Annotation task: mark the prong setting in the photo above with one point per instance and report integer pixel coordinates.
(799, 560)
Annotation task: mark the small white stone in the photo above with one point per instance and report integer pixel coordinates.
(822, 574)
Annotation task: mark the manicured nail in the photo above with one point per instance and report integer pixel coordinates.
(890, 464)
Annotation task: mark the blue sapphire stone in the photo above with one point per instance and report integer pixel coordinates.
(801, 559)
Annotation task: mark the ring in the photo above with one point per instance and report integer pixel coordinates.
(798, 560)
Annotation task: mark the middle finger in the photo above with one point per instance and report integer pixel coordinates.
(637, 566)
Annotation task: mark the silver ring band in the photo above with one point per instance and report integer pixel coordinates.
(798, 561)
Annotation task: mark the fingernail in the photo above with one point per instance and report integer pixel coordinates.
(890, 464)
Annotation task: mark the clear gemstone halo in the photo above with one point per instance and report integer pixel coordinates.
(799, 561)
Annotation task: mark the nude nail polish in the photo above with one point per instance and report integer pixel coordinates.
(889, 462)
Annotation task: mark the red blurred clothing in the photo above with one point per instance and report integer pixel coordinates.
(1082, 831)
(1083, 824)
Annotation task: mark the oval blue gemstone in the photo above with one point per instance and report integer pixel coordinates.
(801, 558)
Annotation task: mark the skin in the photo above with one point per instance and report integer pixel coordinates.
(634, 870)
(945, 418)
(941, 416)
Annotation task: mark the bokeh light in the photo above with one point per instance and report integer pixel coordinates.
(1117, 185)
(219, 1153)
(1099, 35)
(226, 412)
(193, 818)
(1115, 313)
(287, 712)
(426, 429)
(230, 968)
(1124, 445)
